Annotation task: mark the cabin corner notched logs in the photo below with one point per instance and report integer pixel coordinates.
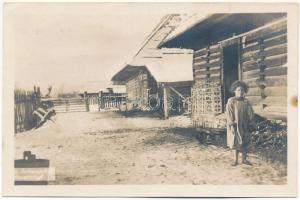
(137, 90)
(264, 68)
(207, 90)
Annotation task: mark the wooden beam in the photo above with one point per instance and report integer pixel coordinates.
(276, 71)
(178, 93)
(201, 52)
(240, 55)
(264, 31)
(275, 101)
(280, 39)
(273, 81)
(276, 91)
(166, 108)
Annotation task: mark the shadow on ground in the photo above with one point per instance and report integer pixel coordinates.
(184, 136)
(180, 135)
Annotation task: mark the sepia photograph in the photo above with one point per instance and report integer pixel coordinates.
(150, 94)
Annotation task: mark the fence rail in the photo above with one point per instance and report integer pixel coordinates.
(70, 105)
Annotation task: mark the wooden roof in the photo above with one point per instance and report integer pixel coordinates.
(150, 57)
(173, 66)
(214, 28)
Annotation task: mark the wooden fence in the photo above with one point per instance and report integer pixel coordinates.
(70, 105)
(25, 103)
(111, 100)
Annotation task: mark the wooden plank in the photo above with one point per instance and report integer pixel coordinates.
(216, 60)
(276, 91)
(200, 59)
(251, 48)
(213, 79)
(251, 43)
(274, 81)
(271, 51)
(205, 76)
(253, 82)
(250, 65)
(254, 100)
(165, 97)
(274, 61)
(254, 91)
(275, 50)
(271, 61)
(272, 108)
(214, 55)
(277, 40)
(277, 27)
(201, 52)
(201, 66)
(276, 71)
(214, 46)
(64, 111)
(200, 69)
(275, 100)
(214, 63)
(211, 72)
(211, 62)
(199, 63)
(251, 74)
(71, 109)
(248, 56)
(215, 49)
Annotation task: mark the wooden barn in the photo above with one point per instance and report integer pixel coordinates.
(228, 47)
(154, 76)
(163, 84)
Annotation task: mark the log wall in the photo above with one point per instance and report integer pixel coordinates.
(264, 68)
(262, 65)
(207, 64)
(206, 91)
(137, 90)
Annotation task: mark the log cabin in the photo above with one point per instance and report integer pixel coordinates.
(162, 84)
(158, 79)
(229, 47)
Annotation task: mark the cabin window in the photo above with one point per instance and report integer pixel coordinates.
(231, 68)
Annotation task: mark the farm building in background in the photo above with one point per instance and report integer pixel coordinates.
(150, 85)
(109, 98)
(158, 78)
(230, 47)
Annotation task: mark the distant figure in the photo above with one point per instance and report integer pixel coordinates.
(49, 92)
(239, 116)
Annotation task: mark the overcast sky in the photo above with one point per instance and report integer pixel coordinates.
(75, 45)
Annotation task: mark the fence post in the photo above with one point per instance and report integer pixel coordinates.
(86, 99)
(166, 109)
(101, 100)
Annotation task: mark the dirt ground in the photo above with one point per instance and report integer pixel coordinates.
(108, 148)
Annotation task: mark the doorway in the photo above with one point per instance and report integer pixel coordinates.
(231, 68)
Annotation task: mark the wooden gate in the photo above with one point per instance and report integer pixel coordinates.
(70, 105)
